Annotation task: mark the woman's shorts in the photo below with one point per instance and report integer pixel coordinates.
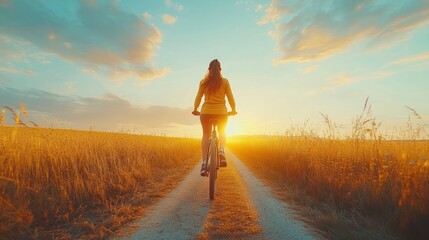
(205, 122)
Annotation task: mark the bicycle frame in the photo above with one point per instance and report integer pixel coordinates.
(214, 139)
(213, 158)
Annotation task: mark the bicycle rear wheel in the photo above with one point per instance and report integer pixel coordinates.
(213, 168)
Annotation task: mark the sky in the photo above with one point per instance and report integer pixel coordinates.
(135, 65)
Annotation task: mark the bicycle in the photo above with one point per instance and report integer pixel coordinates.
(213, 163)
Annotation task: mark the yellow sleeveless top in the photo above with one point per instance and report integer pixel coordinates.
(214, 103)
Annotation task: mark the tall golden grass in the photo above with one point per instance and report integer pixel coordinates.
(362, 172)
(74, 184)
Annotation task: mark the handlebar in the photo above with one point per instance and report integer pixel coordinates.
(197, 113)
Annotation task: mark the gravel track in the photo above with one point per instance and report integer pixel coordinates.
(182, 214)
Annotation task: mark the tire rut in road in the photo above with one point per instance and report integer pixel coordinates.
(276, 218)
(232, 215)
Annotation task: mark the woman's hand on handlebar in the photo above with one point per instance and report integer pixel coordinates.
(232, 113)
(196, 113)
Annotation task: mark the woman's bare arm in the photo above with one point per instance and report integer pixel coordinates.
(198, 98)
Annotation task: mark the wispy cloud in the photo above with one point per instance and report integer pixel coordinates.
(337, 81)
(308, 30)
(12, 70)
(146, 15)
(259, 8)
(20, 51)
(123, 40)
(168, 19)
(415, 58)
(274, 12)
(90, 70)
(380, 75)
(108, 112)
(343, 79)
(310, 69)
(177, 6)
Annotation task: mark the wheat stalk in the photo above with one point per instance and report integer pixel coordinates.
(414, 112)
(3, 114)
(16, 118)
(23, 109)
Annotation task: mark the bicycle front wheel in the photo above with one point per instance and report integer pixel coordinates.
(213, 168)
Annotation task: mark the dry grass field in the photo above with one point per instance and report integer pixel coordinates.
(66, 184)
(375, 180)
(367, 184)
(63, 184)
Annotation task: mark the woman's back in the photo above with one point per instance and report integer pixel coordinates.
(214, 102)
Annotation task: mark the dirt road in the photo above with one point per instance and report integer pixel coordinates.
(243, 208)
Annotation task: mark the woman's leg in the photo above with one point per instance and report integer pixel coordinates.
(205, 124)
(222, 139)
(222, 130)
(205, 146)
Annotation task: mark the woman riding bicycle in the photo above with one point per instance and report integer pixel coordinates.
(214, 88)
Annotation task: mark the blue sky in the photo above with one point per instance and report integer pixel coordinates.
(135, 65)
